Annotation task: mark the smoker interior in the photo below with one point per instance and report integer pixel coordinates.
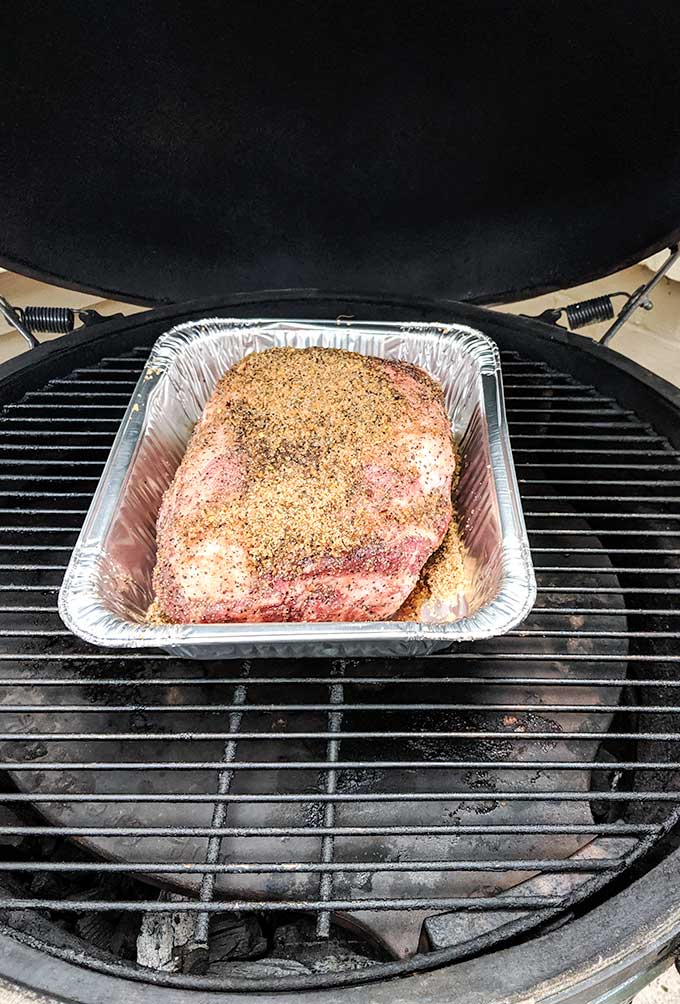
(394, 815)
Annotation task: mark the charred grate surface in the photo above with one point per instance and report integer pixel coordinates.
(440, 803)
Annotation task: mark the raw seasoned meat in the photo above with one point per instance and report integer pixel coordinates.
(314, 487)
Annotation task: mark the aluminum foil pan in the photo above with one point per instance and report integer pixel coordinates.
(107, 587)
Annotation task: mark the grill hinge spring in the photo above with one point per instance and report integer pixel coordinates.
(45, 320)
(600, 308)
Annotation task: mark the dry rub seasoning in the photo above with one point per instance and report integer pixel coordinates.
(287, 419)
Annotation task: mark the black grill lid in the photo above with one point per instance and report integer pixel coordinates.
(480, 151)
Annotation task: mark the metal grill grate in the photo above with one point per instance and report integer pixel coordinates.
(477, 792)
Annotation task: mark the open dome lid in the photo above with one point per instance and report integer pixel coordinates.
(480, 151)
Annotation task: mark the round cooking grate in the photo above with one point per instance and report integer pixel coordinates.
(436, 806)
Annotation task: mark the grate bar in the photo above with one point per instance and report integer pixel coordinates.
(604, 532)
(621, 591)
(565, 514)
(566, 384)
(607, 451)
(609, 411)
(55, 479)
(85, 385)
(39, 529)
(547, 865)
(22, 462)
(538, 633)
(529, 829)
(34, 406)
(33, 609)
(547, 436)
(35, 547)
(281, 798)
(46, 495)
(593, 570)
(475, 904)
(8, 420)
(43, 512)
(33, 568)
(117, 737)
(139, 360)
(323, 920)
(29, 633)
(196, 953)
(97, 371)
(610, 550)
(594, 481)
(25, 435)
(26, 445)
(470, 656)
(659, 499)
(523, 633)
(328, 765)
(602, 465)
(560, 424)
(265, 709)
(200, 681)
(36, 397)
(607, 611)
